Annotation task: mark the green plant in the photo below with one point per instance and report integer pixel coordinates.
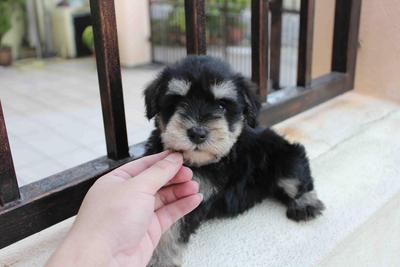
(215, 11)
(88, 38)
(6, 12)
(232, 6)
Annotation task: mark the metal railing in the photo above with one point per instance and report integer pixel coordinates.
(228, 34)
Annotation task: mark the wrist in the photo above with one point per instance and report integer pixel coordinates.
(79, 250)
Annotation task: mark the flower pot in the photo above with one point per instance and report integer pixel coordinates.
(5, 56)
(235, 35)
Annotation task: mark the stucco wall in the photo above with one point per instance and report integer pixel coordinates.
(323, 37)
(133, 32)
(378, 62)
(378, 65)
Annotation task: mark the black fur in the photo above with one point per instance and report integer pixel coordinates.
(259, 159)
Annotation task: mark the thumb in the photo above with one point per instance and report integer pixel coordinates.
(155, 177)
(169, 214)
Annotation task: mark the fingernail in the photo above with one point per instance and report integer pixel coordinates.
(174, 158)
(201, 196)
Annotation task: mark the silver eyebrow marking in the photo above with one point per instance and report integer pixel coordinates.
(178, 87)
(224, 90)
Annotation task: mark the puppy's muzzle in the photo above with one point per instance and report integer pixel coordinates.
(197, 134)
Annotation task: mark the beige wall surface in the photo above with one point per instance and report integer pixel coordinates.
(133, 25)
(378, 63)
(323, 37)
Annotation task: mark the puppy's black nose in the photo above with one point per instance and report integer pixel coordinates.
(197, 134)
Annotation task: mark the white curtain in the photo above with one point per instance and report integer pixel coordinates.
(39, 31)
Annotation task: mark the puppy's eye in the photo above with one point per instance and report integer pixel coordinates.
(222, 105)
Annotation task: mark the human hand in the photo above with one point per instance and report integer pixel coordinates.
(122, 218)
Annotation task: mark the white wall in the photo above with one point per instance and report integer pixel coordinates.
(133, 27)
(323, 37)
(378, 65)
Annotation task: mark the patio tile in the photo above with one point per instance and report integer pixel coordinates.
(25, 104)
(138, 137)
(53, 120)
(50, 143)
(25, 155)
(21, 126)
(98, 148)
(76, 157)
(81, 134)
(38, 171)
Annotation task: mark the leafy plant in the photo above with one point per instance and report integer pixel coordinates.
(6, 12)
(88, 38)
(215, 11)
(232, 6)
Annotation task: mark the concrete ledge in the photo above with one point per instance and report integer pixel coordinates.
(375, 243)
(36, 249)
(354, 178)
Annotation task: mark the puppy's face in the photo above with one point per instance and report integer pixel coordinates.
(202, 121)
(199, 115)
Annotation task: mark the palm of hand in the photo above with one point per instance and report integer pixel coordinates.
(132, 213)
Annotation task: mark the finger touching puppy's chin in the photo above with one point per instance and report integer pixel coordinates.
(195, 157)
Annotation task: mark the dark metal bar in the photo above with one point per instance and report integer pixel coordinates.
(152, 31)
(195, 27)
(53, 199)
(225, 15)
(9, 190)
(276, 41)
(259, 46)
(306, 35)
(288, 102)
(345, 38)
(109, 74)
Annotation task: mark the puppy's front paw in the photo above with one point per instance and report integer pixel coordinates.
(305, 208)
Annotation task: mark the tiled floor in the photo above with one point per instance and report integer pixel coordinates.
(53, 114)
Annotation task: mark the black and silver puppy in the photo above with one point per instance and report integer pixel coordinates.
(209, 113)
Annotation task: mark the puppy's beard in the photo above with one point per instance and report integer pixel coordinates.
(199, 158)
(217, 145)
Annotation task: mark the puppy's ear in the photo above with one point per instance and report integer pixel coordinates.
(252, 103)
(151, 96)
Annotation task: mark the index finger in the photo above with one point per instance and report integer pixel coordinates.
(155, 177)
(135, 167)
